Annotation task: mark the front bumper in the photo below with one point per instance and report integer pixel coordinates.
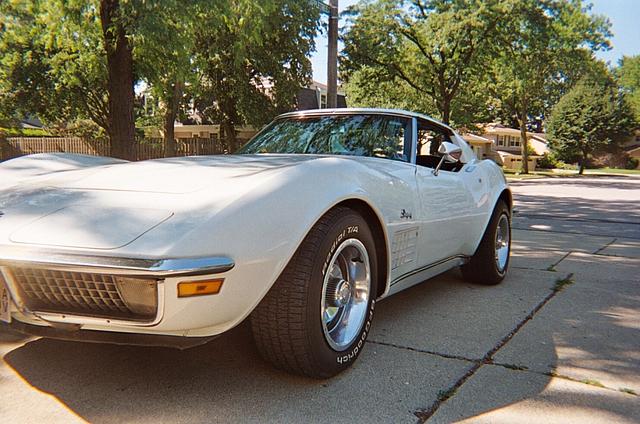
(111, 337)
(58, 281)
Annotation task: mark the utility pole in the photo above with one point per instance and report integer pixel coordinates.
(332, 58)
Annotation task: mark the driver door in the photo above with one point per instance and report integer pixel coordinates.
(446, 204)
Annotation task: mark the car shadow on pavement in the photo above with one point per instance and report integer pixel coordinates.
(111, 383)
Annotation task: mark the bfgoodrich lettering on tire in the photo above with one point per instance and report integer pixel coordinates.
(315, 319)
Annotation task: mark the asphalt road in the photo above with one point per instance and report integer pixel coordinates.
(558, 341)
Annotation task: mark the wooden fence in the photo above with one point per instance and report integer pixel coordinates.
(145, 148)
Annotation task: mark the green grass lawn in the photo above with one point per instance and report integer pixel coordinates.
(555, 173)
(612, 171)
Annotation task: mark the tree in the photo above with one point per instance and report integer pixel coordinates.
(120, 80)
(147, 39)
(164, 57)
(628, 73)
(364, 89)
(253, 58)
(49, 66)
(544, 46)
(429, 48)
(592, 117)
(65, 60)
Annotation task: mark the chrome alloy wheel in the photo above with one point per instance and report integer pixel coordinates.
(502, 243)
(345, 294)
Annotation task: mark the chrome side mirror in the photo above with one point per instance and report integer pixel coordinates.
(450, 152)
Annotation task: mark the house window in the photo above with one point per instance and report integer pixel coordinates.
(514, 141)
(323, 101)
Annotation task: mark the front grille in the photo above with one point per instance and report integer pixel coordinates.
(73, 293)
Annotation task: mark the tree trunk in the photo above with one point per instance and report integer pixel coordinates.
(170, 114)
(446, 111)
(583, 163)
(119, 82)
(522, 118)
(230, 135)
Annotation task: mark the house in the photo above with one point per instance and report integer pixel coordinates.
(502, 144)
(635, 153)
(315, 97)
(182, 131)
(482, 146)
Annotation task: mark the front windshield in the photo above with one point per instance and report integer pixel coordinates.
(355, 135)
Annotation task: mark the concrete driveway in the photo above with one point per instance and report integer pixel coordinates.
(558, 341)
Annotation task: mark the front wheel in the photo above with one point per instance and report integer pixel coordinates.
(490, 262)
(315, 319)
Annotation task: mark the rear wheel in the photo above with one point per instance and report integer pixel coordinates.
(490, 262)
(315, 319)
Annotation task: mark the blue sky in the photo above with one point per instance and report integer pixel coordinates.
(623, 14)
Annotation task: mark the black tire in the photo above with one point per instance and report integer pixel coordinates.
(483, 267)
(287, 324)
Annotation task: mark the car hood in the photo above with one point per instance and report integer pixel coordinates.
(110, 206)
(179, 175)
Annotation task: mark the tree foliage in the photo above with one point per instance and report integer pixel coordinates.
(49, 66)
(69, 60)
(163, 53)
(544, 46)
(592, 117)
(430, 49)
(471, 60)
(253, 58)
(628, 73)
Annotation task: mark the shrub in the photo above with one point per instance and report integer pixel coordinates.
(547, 161)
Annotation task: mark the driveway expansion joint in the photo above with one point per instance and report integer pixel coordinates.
(582, 233)
(597, 252)
(428, 352)
(424, 414)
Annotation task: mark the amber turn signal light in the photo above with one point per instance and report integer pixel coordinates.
(199, 288)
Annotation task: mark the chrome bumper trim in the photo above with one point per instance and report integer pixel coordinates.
(132, 267)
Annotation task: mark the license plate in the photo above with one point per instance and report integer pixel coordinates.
(5, 303)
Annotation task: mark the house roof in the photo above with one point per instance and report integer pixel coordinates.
(501, 129)
(474, 138)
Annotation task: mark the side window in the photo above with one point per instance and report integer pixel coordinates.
(376, 136)
(429, 139)
(395, 142)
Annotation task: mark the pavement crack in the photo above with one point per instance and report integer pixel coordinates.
(605, 246)
(582, 233)
(553, 374)
(444, 395)
(426, 413)
(554, 265)
(576, 219)
(528, 268)
(429, 352)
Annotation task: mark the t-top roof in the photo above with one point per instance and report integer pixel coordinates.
(358, 111)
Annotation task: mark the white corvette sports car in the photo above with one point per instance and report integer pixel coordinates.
(319, 216)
